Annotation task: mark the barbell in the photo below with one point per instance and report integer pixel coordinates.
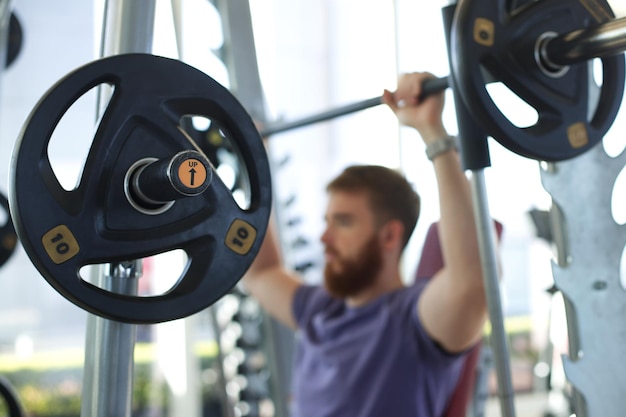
(138, 196)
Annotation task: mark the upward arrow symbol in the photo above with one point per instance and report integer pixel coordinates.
(193, 174)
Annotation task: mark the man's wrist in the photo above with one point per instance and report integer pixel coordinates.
(440, 146)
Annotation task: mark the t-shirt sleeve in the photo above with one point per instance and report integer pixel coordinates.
(427, 346)
(308, 300)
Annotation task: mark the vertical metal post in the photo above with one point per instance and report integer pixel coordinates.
(475, 157)
(109, 349)
(128, 27)
(489, 261)
(239, 55)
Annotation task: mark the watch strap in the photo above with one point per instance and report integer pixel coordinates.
(440, 146)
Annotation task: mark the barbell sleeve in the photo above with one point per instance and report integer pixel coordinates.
(581, 45)
(186, 174)
(429, 87)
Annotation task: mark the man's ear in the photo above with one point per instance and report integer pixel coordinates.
(391, 234)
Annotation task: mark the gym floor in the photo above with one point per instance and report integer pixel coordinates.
(526, 405)
(534, 404)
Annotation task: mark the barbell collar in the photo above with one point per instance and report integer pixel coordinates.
(581, 45)
(186, 174)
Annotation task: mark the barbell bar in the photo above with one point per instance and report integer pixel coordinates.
(429, 87)
(582, 45)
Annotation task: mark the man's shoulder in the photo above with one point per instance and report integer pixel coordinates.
(310, 299)
(408, 293)
(308, 291)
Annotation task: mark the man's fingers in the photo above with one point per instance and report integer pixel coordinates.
(389, 99)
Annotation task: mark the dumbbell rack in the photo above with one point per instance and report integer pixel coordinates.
(243, 360)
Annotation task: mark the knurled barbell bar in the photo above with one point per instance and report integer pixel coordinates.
(430, 86)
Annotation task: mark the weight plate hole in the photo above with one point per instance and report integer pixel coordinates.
(622, 270)
(72, 138)
(595, 86)
(544, 63)
(158, 275)
(618, 203)
(614, 141)
(514, 108)
(216, 143)
(598, 74)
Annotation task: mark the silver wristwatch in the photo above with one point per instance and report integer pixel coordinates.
(440, 146)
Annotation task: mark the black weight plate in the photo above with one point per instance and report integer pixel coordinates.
(11, 400)
(95, 223)
(490, 38)
(8, 237)
(16, 37)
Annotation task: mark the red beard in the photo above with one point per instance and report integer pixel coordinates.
(344, 278)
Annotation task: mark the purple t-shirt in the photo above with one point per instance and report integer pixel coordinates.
(371, 361)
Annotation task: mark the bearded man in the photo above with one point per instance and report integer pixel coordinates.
(368, 345)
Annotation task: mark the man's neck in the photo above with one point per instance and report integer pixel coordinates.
(382, 285)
